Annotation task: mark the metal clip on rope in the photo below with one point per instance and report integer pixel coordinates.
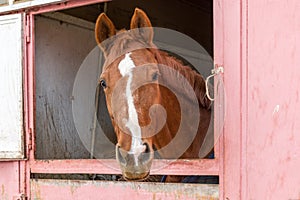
(214, 72)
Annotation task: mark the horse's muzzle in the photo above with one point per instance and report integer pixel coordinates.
(135, 166)
(128, 176)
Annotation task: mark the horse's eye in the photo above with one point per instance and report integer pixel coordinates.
(103, 83)
(155, 76)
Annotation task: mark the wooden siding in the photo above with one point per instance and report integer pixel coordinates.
(68, 189)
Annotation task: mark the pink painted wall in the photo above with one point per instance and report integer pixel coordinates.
(9, 180)
(258, 42)
(273, 139)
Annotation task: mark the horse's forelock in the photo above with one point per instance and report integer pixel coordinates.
(123, 42)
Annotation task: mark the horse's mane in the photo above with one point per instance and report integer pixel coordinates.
(195, 79)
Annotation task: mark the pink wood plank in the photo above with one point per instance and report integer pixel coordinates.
(218, 60)
(29, 86)
(244, 96)
(29, 110)
(273, 146)
(60, 189)
(110, 166)
(228, 50)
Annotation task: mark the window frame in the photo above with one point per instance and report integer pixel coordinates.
(92, 166)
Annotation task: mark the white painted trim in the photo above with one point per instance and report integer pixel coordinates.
(26, 4)
(11, 87)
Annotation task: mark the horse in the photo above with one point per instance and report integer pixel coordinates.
(145, 112)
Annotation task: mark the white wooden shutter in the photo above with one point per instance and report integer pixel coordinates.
(11, 101)
(3, 2)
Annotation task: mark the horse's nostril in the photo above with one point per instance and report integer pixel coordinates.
(147, 149)
(146, 155)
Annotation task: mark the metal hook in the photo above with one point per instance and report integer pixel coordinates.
(214, 72)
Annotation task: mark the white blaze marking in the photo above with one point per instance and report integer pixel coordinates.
(125, 66)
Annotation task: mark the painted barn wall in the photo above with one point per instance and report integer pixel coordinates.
(273, 139)
(9, 180)
(60, 50)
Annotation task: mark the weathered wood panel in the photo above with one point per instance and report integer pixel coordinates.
(60, 50)
(11, 91)
(60, 189)
(67, 70)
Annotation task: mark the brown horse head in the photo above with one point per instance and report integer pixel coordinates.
(146, 115)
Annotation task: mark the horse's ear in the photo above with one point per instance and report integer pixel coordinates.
(141, 20)
(104, 29)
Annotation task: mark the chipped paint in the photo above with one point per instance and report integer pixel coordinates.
(4, 196)
(38, 194)
(73, 188)
(2, 191)
(276, 109)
